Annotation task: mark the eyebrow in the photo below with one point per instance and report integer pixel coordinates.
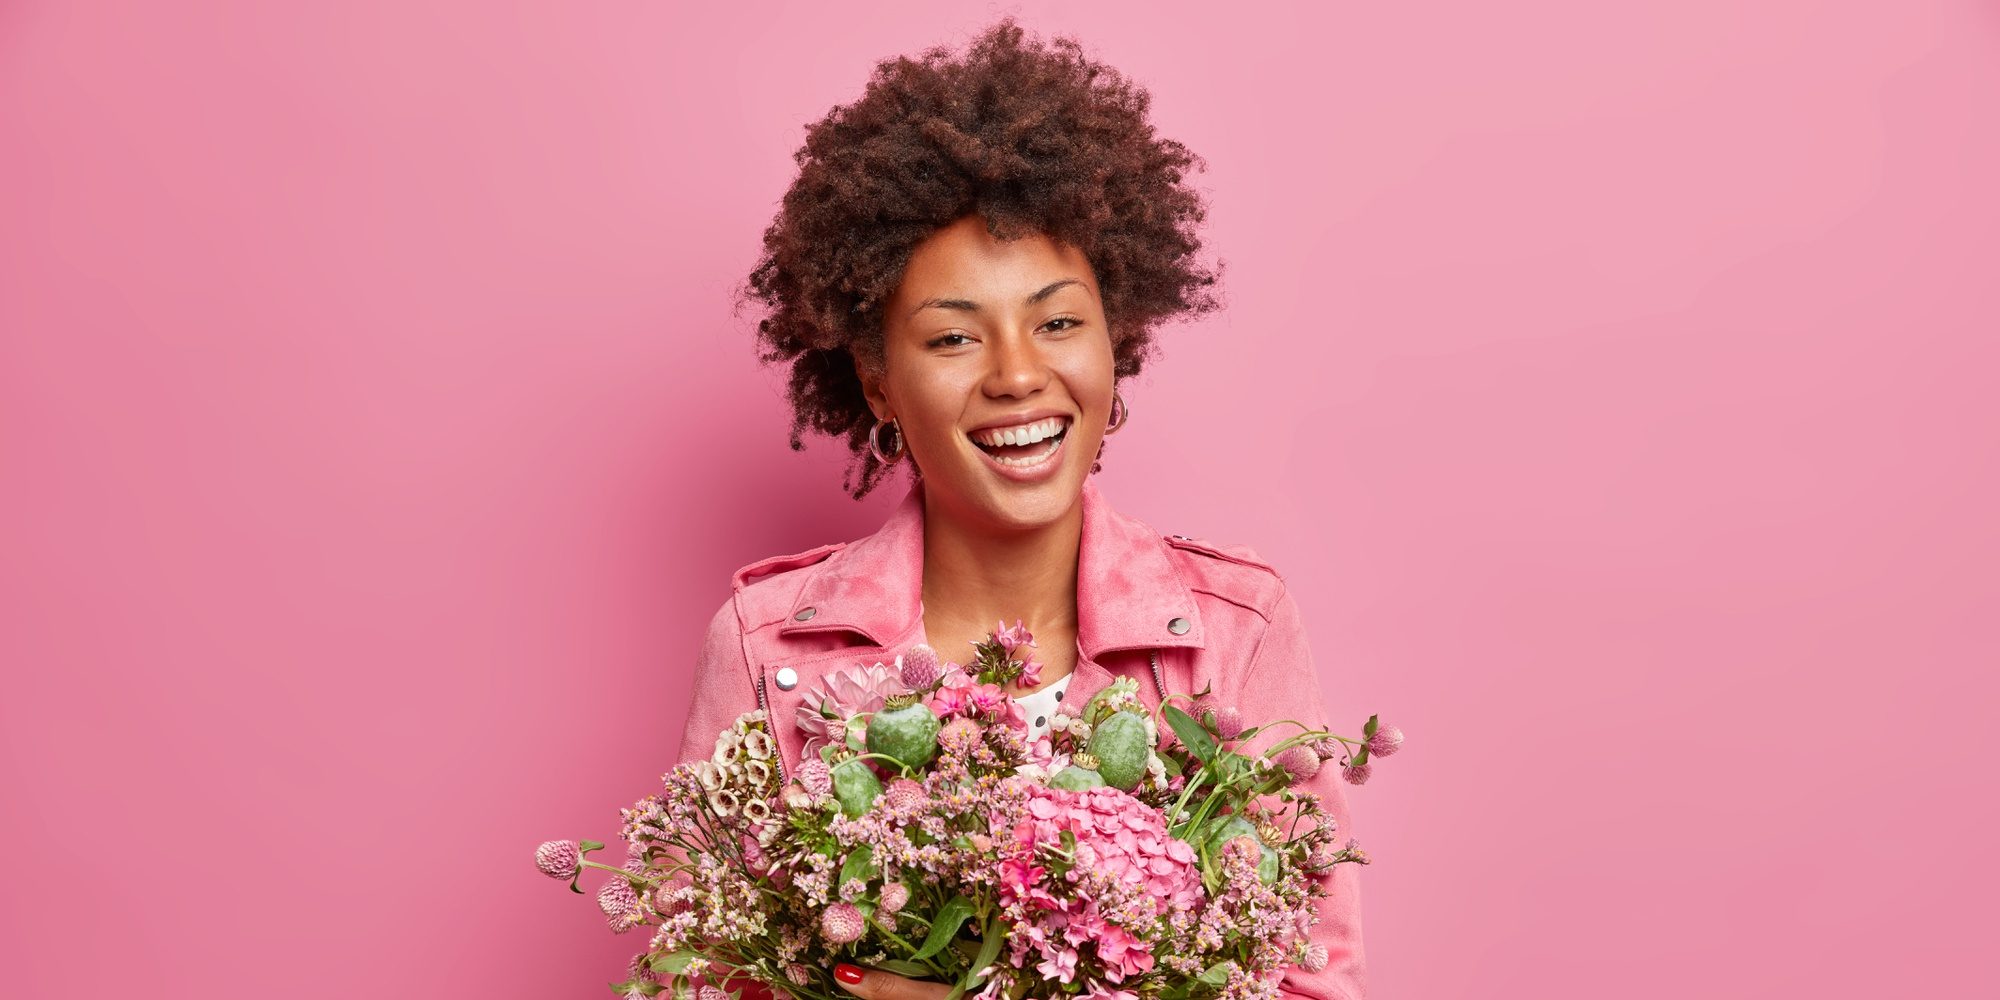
(967, 305)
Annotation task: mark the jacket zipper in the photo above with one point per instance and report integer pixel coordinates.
(1159, 680)
(765, 706)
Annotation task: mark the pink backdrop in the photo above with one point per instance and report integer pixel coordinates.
(1614, 381)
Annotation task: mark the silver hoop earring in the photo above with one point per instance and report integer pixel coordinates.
(875, 442)
(1119, 413)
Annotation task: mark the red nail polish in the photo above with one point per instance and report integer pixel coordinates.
(849, 974)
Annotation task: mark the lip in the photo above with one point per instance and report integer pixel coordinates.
(1038, 472)
(1016, 420)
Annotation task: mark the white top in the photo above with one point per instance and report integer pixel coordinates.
(1038, 705)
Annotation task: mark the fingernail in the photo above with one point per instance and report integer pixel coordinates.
(849, 974)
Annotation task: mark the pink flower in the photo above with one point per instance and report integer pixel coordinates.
(1314, 958)
(894, 897)
(920, 667)
(1356, 774)
(1300, 761)
(1060, 965)
(815, 776)
(959, 735)
(1387, 740)
(617, 901)
(1031, 673)
(1014, 638)
(841, 923)
(904, 795)
(558, 859)
(1228, 722)
(987, 699)
(845, 694)
(673, 897)
(949, 700)
(1099, 991)
(1123, 954)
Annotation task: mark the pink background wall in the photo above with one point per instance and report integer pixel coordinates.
(1614, 381)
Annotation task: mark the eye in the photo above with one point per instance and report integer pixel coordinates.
(939, 340)
(1071, 321)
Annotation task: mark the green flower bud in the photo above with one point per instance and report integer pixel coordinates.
(1120, 745)
(908, 733)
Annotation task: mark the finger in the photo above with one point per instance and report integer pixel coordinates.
(875, 984)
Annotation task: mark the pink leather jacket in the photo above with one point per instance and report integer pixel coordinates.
(1175, 613)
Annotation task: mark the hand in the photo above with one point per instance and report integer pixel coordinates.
(875, 984)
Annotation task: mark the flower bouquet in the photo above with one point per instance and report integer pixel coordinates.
(1122, 856)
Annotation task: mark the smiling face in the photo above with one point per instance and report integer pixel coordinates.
(997, 366)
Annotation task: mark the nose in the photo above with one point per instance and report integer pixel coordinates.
(1018, 366)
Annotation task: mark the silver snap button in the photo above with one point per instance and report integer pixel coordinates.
(1178, 626)
(787, 678)
(806, 613)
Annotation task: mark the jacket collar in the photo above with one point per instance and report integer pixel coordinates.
(1127, 590)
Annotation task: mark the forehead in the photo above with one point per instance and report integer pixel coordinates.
(964, 260)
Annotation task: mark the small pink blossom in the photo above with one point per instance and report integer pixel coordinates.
(1387, 740)
(1011, 639)
(841, 923)
(1314, 958)
(894, 897)
(1300, 761)
(815, 776)
(1356, 774)
(558, 859)
(920, 667)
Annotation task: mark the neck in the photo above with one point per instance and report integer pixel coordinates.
(980, 574)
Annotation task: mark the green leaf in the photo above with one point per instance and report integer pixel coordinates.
(945, 926)
(860, 864)
(1172, 765)
(674, 963)
(1369, 729)
(1192, 735)
(588, 846)
(989, 950)
(1217, 974)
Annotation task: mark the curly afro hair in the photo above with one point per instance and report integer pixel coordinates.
(1033, 138)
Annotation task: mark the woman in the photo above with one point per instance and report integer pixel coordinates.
(972, 256)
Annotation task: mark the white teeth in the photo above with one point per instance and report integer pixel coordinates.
(1040, 430)
(1035, 459)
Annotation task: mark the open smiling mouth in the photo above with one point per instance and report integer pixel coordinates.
(1023, 446)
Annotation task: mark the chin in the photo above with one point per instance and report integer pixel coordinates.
(1005, 505)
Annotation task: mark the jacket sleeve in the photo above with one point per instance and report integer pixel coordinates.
(722, 685)
(1282, 683)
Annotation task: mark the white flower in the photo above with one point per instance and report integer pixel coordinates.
(723, 801)
(728, 748)
(708, 774)
(759, 744)
(758, 772)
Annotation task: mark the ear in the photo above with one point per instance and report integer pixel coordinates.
(871, 390)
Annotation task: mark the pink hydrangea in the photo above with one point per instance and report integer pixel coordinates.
(1127, 837)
